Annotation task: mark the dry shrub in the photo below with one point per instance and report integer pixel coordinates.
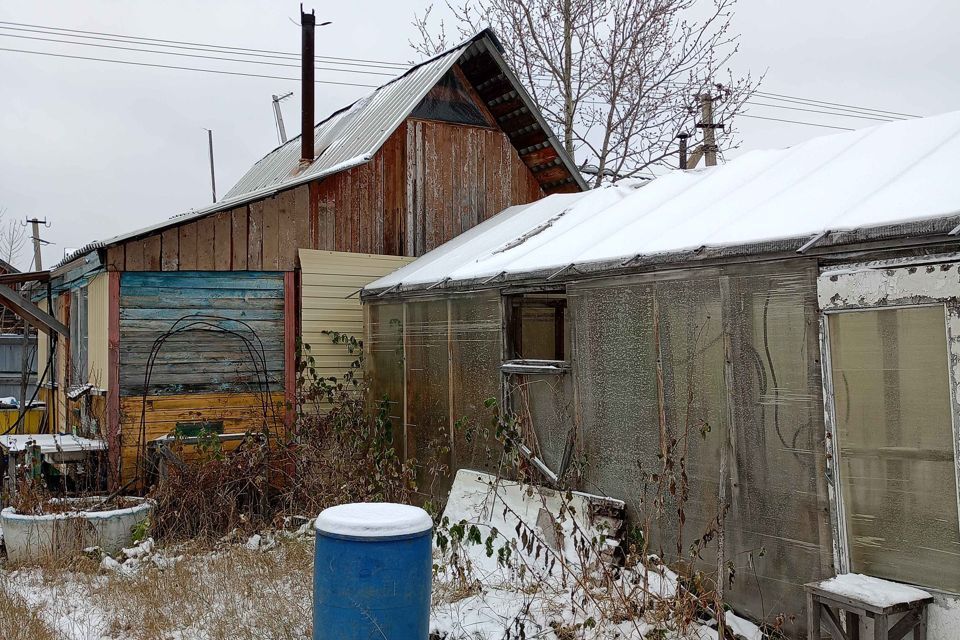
(214, 493)
(338, 449)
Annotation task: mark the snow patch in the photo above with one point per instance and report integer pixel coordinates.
(874, 591)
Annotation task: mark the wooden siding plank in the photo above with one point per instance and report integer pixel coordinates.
(135, 255)
(238, 242)
(188, 247)
(289, 344)
(255, 236)
(151, 253)
(222, 241)
(116, 258)
(271, 234)
(303, 215)
(170, 249)
(287, 240)
(206, 236)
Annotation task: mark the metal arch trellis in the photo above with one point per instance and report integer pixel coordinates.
(209, 323)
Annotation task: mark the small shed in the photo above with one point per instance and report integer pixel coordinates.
(786, 323)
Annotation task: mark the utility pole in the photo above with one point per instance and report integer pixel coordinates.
(25, 343)
(278, 116)
(213, 179)
(707, 150)
(709, 129)
(37, 263)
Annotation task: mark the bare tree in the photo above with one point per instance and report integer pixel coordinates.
(618, 79)
(13, 237)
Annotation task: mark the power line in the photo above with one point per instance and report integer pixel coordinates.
(179, 68)
(192, 55)
(832, 108)
(810, 124)
(834, 104)
(190, 45)
(829, 113)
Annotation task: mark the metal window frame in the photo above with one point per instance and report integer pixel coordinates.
(899, 290)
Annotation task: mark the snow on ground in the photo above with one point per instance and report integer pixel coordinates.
(261, 586)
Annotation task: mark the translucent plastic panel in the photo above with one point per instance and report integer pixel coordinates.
(894, 430)
(476, 346)
(383, 350)
(544, 405)
(633, 414)
(427, 334)
(615, 368)
(779, 496)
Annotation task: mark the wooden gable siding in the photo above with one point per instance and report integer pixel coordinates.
(429, 182)
(457, 177)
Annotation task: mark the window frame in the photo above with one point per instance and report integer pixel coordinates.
(881, 286)
(79, 337)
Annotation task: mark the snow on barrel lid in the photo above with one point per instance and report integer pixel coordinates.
(373, 520)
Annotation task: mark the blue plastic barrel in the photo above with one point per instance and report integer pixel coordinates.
(372, 573)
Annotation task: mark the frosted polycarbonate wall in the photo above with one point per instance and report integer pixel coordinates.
(476, 348)
(779, 496)
(384, 361)
(426, 335)
(895, 435)
(634, 411)
(442, 357)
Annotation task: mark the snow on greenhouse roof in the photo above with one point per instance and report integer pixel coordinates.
(893, 173)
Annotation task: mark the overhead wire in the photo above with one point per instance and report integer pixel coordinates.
(180, 44)
(193, 55)
(182, 68)
(835, 107)
(811, 124)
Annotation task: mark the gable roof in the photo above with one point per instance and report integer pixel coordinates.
(352, 136)
(893, 174)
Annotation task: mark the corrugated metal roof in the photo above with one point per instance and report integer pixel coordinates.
(352, 136)
(890, 174)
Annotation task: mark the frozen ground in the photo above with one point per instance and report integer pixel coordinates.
(260, 587)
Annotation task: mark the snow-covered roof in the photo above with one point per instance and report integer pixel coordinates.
(893, 173)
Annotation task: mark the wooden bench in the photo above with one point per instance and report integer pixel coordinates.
(896, 609)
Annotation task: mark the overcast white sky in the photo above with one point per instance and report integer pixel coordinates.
(98, 149)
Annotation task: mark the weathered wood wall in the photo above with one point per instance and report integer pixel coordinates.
(429, 182)
(206, 359)
(240, 413)
(458, 176)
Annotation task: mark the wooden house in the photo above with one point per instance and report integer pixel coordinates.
(195, 321)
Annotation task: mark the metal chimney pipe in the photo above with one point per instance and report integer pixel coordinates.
(683, 149)
(308, 22)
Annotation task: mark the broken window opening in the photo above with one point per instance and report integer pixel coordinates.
(539, 332)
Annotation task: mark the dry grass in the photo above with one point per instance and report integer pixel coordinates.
(231, 593)
(18, 622)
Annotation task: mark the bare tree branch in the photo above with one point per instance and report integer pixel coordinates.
(617, 79)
